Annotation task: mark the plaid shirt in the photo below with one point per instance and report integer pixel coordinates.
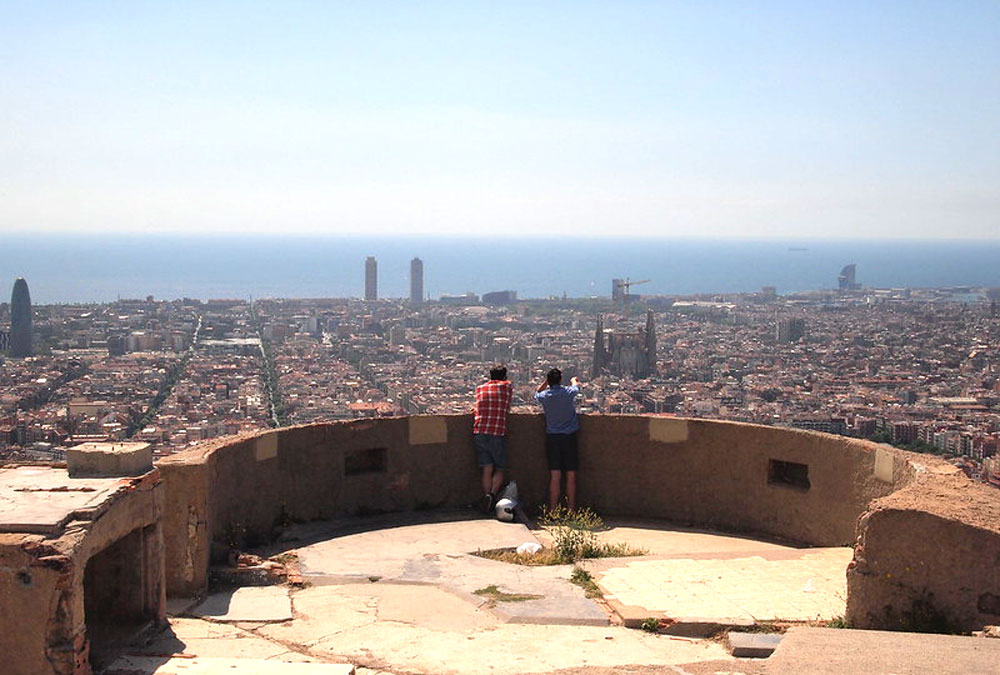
(492, 403)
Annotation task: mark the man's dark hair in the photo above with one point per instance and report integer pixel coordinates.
(498, 373)
(554, 377)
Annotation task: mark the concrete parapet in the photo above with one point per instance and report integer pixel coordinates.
(795, 485)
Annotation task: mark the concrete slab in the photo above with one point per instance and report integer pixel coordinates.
(251, 603)
(752, 645)
(43, 499)
(398, 552)
(196, 637)
(796, 585)
(438, 553)
(143, 665)
(321, 612)
(830, 651)
(421, 614)
(517, 649)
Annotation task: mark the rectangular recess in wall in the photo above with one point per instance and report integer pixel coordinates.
(372, 460)
(789, 474)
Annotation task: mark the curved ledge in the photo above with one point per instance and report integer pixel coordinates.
(803, 486)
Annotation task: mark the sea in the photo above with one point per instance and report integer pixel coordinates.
(100, 268)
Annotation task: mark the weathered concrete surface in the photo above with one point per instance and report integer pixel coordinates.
(394, 628)
(792, 585)
(42, 499)
(697, 582)
(252, 603)
(392, 547)
(828, 651)
(141, 665)
(439, 553)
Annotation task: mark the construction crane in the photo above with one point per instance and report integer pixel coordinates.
(626, 285)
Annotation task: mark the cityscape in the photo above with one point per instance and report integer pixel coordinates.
(917, 368)
(291, 294)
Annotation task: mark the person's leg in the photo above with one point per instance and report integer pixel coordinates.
(488, 479)
(571, 462)
(498, 450)
(571, 489)
(497, 483)
(484, 457)
(552, 454)
(555, 479)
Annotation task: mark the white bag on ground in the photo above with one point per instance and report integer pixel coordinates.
(509, 492)
(505, 510)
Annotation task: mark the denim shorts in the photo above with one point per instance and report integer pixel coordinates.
(491, 450)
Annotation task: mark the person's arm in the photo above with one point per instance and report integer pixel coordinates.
(543, 386)
(575, 382)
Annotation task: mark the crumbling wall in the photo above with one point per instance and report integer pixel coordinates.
(35, 606)
(42, 580)
(927, 558)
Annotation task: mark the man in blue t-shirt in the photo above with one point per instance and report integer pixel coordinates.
(561, 426)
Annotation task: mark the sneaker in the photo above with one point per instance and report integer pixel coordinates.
(487, 503)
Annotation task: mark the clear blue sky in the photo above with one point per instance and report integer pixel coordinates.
(771, 119)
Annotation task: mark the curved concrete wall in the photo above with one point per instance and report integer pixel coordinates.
(802, 486)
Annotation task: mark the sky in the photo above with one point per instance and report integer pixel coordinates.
(645, 119)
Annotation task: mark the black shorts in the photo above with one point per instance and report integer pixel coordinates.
(562, 452)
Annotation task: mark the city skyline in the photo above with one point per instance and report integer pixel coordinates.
(637, 119)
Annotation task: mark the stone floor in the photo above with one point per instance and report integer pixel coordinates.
(692, 577)
(387, 596)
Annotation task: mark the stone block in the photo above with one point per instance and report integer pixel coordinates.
(753, 645)
(107, 460)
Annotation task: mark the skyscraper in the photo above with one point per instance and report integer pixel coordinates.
(790, 330)
(371, 279)
(20, 320)
(846, 281)
(416, 281)
(617, 290)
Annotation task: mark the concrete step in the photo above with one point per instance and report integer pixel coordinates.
(833, 651)
(753, 645)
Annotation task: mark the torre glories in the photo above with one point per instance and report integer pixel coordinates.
(20, 320)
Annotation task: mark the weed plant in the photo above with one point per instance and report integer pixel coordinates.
(574, 535)
(585, 580)
(574, 532)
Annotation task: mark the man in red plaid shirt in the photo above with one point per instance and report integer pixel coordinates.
(489, 431)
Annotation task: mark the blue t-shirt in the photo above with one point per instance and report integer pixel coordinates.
(560, 413)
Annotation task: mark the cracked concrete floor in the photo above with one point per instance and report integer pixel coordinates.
(421, 613)
(416, 628)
